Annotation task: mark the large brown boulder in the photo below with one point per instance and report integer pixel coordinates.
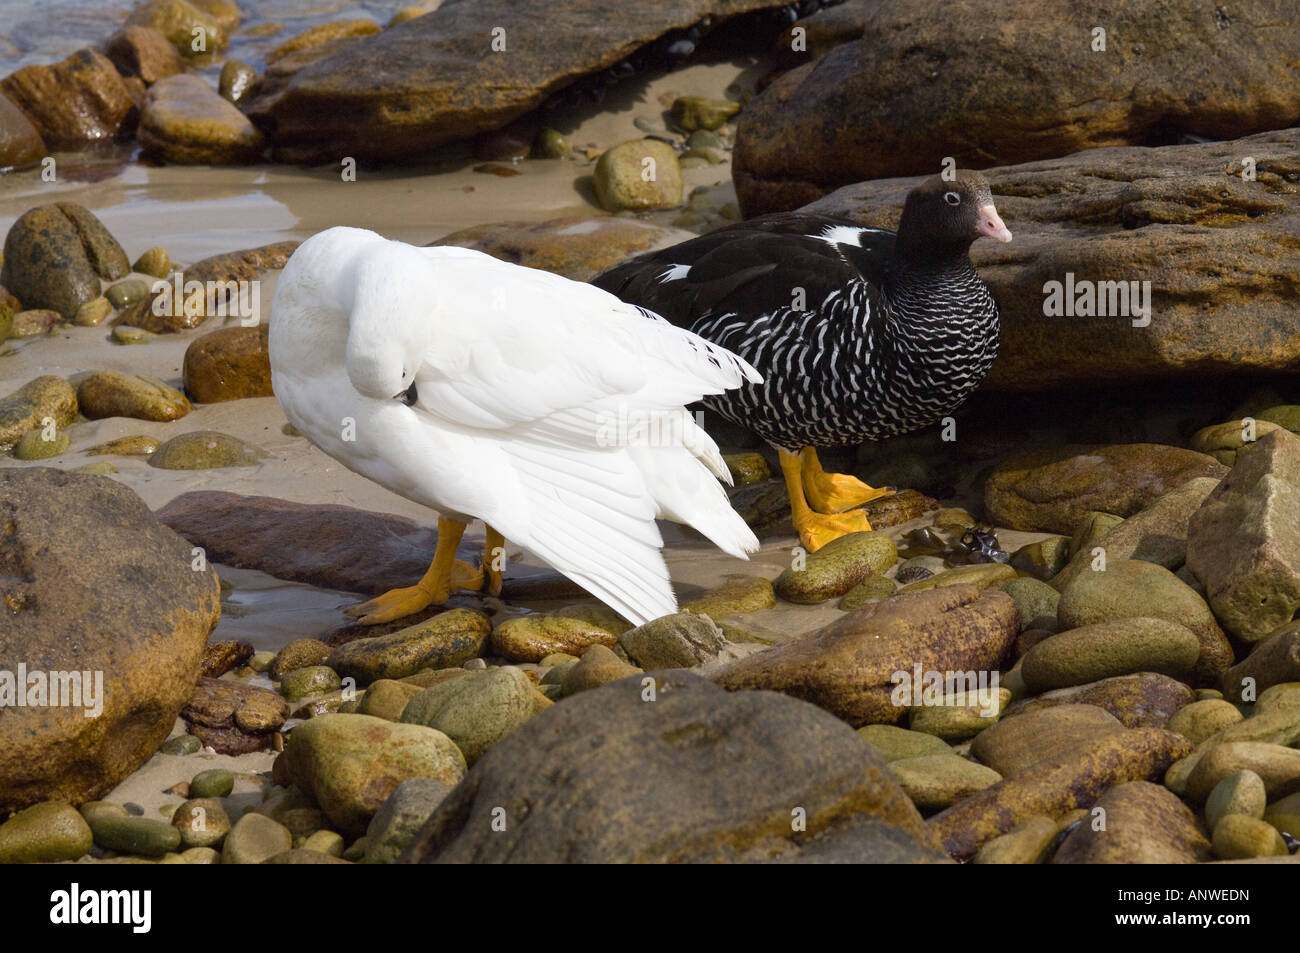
(1243, 544)
(54, 256)
(91, 583)
(689, 773)
(75, 102)
(438, 79)
(1217, 249)
(849, 666)
(989, 82)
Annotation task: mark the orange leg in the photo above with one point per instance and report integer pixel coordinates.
(445, 574)
(815, 529)
(834, 492)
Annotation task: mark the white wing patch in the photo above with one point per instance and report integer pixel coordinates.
(675, 273)
(842, 235)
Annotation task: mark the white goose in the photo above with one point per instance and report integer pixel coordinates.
(546, 407)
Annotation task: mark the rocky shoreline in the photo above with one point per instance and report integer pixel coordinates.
(1084, 605)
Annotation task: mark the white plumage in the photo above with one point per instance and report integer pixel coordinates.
(546, 407)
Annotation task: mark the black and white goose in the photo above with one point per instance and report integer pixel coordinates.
(859, 333)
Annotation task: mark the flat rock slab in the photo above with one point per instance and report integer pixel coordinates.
(989, 82)
(1219, 252)
(438, 79)
(326, 545)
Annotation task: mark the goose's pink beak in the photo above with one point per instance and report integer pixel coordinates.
(991, 224)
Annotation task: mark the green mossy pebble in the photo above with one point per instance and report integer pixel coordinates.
(34, 446)
(127, 292)
(214, 782)
(44, 833)
(134, 835)
(181, 745)
(313, 680)
(1241, 792)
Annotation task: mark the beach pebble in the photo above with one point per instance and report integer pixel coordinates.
(312, 680)
(1044, 558)
(127, 292)
(1029, 842)
(747, 468)
(1091, 529)
(936, 781)
(980, 575)
(214, 782)
(446, 640)
(153, 261)
(205, 449)
(704, 139)
(673, 641)
(185, 121)
(953, 519)
(350, 763)
(125, 334)
(638, 175)
(44, 833)
(237, 81)
(477, 710)
(1144, 824)
(1241, 792)
(1145, 700)
(202, 821)
(738, 594)
(229, 364)
(181, 745)
(1130, 588)
(34, 323)
(1106, 649)
(598, 666)
(837, 567)
(177, 20)
(1277, 765)
(530, 638)
(144, 52)
(134, 835)
(34, 446)
(871, 589)
(114, 394)
(323, 842)
(387, 698)
(1036, 601)
(893, 743)
(1239, 837)
(234, 717)
(1226, 440)
(594, 613)
(262, 661)
(1203, 719)
(136, 445)
(55, 256)
(1018, 742)
(959, 722)
(253, 839)
(698, 112)
(93, 312)
(299, 653)
(396, 824)
(1284, 814)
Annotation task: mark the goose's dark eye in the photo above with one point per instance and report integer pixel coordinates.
(952, 198)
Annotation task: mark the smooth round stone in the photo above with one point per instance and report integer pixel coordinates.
(705, 139)
(555, 674)
(598, 666)
(125, 334)
(980, 575)
(1284, 814)
(1203, 719)
(114, 394)
(154, 262)
(324, 842)
(934, 782)
(127, 292)
(399, 820)
(894, 744)
(93, 312)
(476, 710)
(442, 641)
(1029, 842)
(1284, 696)
(1238, 837)
(738, 595)
(551, 144)
(1090, 653)
(387, 699)
(1036, 601)
(869, 590)
(958, 722)
(214, 782)
(134, 835)
(236, 80)
(1277, 765)
(300, 653)
(475, 665)
(203, 450)
(261, 661)
(202, 821)
(34, 446)
(699, 112)
(557, 658)
(253, 839)
(44, 833)
(621, 182)
(837, 567)
(313, 680)
(953, 518)
(200, 855)
(1241, 792)
(530, 638)
(93, 809)
(181, 745)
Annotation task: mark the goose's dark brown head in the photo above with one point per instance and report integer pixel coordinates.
(944, 217)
